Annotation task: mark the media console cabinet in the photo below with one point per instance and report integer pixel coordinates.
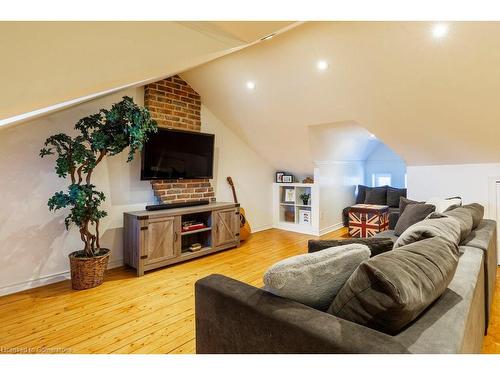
(155, 239)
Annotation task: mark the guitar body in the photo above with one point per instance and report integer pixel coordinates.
(245, 230)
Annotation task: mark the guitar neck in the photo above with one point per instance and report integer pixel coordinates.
(234, 194)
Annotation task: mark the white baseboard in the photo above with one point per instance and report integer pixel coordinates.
(261, 228)
(331, 228)
(46, 280)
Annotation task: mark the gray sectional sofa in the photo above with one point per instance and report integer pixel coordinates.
(234, 317)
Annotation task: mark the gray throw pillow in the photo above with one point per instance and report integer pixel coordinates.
(464, 217)
(444, 227)
(477, 213)
(360, 198)
(314, 279)
(394, 195)
(413, 213)
(403, 202)
(389, 291)
(376, 195)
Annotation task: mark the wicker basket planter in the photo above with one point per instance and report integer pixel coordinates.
(86, 272)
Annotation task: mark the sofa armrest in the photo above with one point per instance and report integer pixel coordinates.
(393, 220)
(234, 317)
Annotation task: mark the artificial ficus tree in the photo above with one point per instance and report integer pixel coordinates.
(106, 133)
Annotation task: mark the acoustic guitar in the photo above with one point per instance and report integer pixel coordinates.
(245, 230)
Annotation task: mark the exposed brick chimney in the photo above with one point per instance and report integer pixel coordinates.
(174, 104)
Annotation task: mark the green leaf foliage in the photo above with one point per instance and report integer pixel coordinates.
(108, 132)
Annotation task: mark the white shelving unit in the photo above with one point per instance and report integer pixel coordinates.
(291, 213)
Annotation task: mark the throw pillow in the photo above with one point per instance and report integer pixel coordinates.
(360, 198)
(389, 291)
(375, 244)
(376, 195)
(403, 202)
(469, 216)
(314, 279)
(413, 213)
(477, 212)
(394, 195)
(444, 227)
(443, 204)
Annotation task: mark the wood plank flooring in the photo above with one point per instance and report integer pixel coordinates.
(150, 314)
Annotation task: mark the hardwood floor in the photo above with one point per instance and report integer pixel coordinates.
(150, 314)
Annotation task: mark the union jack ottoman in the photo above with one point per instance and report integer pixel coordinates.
(366, 220)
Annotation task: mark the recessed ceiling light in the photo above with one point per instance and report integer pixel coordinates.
(251, 85)
(440, 30)
(322, 65)
(267, 37)
(372, 135)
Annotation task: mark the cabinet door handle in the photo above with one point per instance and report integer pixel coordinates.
(176, 236)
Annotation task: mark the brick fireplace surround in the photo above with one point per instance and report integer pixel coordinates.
(174, 104)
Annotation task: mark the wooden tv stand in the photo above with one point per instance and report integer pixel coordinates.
(153, 239)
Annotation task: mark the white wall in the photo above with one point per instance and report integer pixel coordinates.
(337, 183)
(383, 160)
(470, 181)
(33, 241)
(251, 174)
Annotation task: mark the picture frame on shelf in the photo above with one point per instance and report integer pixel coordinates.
(279, 177)
(290, 195)
(287, 178)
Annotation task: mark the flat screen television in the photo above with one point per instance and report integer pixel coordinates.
(176, 154)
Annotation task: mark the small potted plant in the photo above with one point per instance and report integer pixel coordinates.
(305, 198)
(105, 133)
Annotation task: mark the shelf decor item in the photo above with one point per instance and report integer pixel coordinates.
(106, 133)
(308, 180)
(289, 215)
(305, 198)
(287, 178)
(304, 217)
(279, 176)
(290, 195)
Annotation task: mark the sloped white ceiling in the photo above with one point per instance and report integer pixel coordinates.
(433, 101)
(47, 63)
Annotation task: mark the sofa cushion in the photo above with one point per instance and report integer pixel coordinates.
(376, 245)
(360, 198)
(413, 213)
(393, 196)
(464, 217)
(314, 279)
(389, 291)
(376, 195)
(444, 227)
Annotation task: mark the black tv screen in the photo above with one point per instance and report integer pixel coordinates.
(176, 154)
